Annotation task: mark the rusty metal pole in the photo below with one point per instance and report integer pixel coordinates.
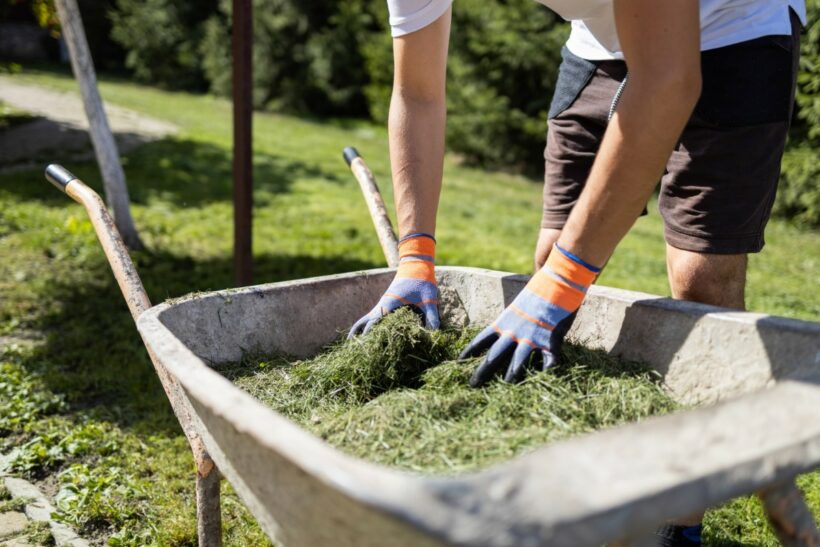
(242, 39)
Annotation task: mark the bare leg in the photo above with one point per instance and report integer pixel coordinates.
(719, 280)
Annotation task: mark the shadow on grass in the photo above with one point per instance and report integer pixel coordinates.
(93, 355)
(184, 172)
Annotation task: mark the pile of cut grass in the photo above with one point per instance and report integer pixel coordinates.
(398, 397)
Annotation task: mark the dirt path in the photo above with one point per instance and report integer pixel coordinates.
(61, 129)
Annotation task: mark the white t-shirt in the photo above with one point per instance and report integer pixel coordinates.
(593, 36)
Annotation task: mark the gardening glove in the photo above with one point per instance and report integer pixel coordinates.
(414, 285)
(536, 321)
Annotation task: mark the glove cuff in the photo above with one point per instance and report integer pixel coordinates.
(417, 247)
(417, 253)
(571, 267)
(563, 281)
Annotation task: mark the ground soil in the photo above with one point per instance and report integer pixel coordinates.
(58, 129)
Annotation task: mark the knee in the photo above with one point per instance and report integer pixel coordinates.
(719, 280)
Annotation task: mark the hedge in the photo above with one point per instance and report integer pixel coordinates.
(327, 58)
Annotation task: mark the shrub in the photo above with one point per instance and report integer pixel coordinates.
(808, 88)
(162, 40)
(798, 196)
(306, 55)
(326, 58)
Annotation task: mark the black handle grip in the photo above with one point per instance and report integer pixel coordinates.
(59, 176)
(350, 154)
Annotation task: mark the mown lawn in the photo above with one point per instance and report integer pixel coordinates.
(77, 392)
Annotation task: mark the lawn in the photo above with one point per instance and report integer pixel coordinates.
(77, 391)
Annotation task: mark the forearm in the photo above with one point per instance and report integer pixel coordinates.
(660, 41)
(629, 165)
(416, 126)
(416, 130)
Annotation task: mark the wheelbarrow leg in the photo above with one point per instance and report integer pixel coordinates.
(789, 515)
(208, 514)
(209, 518)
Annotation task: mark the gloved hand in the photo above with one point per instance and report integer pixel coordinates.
(536, 321)
(414, 285)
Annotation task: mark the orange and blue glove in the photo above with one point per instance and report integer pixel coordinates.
(535, 322)
(414, 285)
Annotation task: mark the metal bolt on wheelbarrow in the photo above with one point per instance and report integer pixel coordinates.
(755, 378)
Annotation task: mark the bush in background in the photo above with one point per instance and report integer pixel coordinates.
(306, 55)
(161, 38)
(798, 195)
(326, 58)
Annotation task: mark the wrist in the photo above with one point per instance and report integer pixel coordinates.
(417, 253)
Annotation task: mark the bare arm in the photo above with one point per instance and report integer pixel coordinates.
(418, 113)
(661, 45)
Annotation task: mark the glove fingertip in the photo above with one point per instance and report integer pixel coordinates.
(549, 360)
(479, 377)
(356, 328)
(484, 340)
(370, 324)
(431, 319)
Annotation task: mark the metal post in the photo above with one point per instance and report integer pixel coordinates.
(242, 36)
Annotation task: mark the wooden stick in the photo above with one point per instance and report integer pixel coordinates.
(791, 519)
(375, 204)
(105, 147)
(207, 484)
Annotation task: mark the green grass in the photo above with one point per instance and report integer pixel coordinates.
(76, 386)
(398, 397)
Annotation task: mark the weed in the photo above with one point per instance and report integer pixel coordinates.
(13, 504)
(39, 533)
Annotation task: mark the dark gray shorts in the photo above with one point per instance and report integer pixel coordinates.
(720, 181)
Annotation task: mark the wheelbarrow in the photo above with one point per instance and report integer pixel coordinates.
(755, 380)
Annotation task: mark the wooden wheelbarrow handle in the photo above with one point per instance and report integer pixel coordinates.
(375, 204)
(207, 482)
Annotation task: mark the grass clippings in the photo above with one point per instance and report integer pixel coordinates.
(398, 397)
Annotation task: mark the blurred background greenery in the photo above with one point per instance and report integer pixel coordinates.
(326, 58)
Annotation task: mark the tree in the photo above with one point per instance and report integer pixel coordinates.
(105, 148)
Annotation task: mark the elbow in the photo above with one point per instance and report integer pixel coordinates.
(688, 85)
(677, 87)
(419, 96)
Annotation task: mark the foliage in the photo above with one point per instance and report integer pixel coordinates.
(808, 89)
(24, 399)
(798, 195)
(306, 55)
(39, 533)
(162, 40)
(46, 14)
(504, 63)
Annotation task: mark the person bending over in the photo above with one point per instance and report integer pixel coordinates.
(705, 109)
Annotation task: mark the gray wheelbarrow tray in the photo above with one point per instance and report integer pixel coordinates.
(755, 378)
